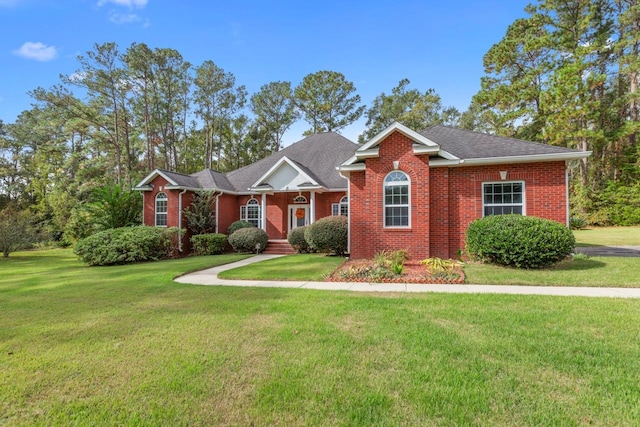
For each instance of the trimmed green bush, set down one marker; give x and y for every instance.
(126, 245)
(329, 234)
(297, 241)
(519, 241)
(238, 225)
(246, 239)
(209, 244)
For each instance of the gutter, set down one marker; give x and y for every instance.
(180, 220)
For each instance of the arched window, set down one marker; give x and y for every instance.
(341, 208)
(300, 199)
(161, 209)
(396, 199)
(252, 212)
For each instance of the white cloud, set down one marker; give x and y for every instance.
(131, 4)
(38, 51)
(123, 18)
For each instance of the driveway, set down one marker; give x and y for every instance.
(625, 251)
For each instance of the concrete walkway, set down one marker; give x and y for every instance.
(210, 277)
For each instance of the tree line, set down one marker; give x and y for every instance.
(566, 75)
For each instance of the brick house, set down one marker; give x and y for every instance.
(400, 190)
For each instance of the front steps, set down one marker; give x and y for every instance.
(279, 247)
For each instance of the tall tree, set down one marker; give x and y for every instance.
(410, 107)
(216, 99)
(275, 111)
(327, 101)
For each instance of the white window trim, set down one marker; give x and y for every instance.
(408, 205)
(524, 196)
(244, 209)
(336, 208)
(155, 209)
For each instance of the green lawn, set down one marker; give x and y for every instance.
(592, 272)
(293, 267)
(608, 236)
(127, 346)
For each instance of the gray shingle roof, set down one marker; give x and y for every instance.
(317, 155)
(466, 144)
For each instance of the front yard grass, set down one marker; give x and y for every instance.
(617, 272)
(608, 236)
(125, 345)
(312, 267)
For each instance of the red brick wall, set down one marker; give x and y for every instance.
(443, 200)
(545, 195)
(173, 209)
(368, 234)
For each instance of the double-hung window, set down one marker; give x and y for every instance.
(161, 209)
(396, 199)
(341, 208)
(252, 212)
(499, 198)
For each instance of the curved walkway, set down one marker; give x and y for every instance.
(210, 277)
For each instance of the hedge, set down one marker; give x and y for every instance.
(297, 241)
(238, 225)
(519, 241)
(209, 244)
(329, 234)
(246, 239)
(126, 245)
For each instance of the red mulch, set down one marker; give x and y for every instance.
(413, 272)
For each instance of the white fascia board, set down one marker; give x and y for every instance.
(275, 167)
(143, 188)
(365, 154)
(354, 167)
(395, 126)
(180, 187)
(351, 160)
(156, 172)
(441, 163)
(425, 149)
(527, 159)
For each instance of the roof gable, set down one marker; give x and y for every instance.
(285, 175)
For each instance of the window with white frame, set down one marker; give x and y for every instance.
(499, 198)
(340, 208)
(252, 212)
(300, 199)
(396, 199)
(161, 209)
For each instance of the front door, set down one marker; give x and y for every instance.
(298, 216)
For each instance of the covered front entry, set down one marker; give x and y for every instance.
(298, 216)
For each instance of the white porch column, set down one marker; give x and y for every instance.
(263, 211)
(312, 208)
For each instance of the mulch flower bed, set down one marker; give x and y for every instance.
(413, 272)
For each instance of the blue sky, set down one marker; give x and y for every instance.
(435, 44)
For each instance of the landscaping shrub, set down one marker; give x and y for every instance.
(329, 234)
(127, 245)
(519, 241)
(245, 239)
(238, 225)
(297, 241)
(209, 244)
(577, 223)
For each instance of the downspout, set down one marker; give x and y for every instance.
(217, 205)
(566, 188)
(347, 176)
(180, 220)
